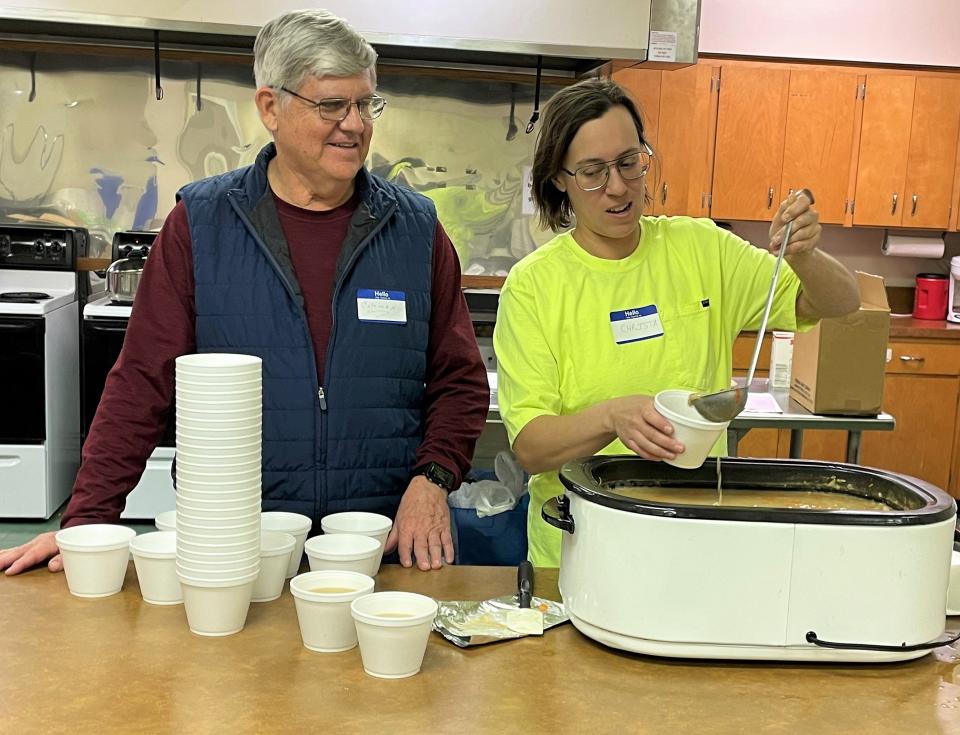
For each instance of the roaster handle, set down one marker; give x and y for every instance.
(556, 512)
(816, 640)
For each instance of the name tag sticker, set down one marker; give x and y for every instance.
(378, 306)
(635, 325)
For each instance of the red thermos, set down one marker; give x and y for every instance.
(930, 298)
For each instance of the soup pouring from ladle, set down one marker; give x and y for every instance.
(725, 405)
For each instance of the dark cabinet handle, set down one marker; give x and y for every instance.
(913, 212)
(770, 197)
(663, 194)
(893, 209)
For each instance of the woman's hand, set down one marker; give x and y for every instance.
(641, 428)
(806, 225)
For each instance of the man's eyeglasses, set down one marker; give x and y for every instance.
(595, 176)
(336, 109)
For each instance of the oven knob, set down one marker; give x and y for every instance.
(56, 249)
(5, 246)
(38, 247)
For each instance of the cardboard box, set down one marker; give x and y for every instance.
(838, 366)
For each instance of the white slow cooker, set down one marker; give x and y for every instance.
(720, 582)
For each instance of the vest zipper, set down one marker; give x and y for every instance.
(333, 321)
(318, 492)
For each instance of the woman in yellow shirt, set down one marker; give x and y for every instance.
(594, 323)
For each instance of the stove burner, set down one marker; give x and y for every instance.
(23, 297)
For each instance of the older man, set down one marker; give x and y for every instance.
(274, 260)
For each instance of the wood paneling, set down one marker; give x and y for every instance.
(818, 143)
(924, 358)
(750, 136)
(884, 145)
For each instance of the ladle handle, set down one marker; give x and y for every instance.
(766, 309)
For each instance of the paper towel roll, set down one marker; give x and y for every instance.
(903, 246)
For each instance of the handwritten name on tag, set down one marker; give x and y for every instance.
(379, 306)
(635, 325)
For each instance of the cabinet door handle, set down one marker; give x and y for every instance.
(893, 209)
(911, 358)
(663, 193)
(790, 193)
(913, 212)
(769, 197)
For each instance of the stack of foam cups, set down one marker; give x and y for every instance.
(219, 418)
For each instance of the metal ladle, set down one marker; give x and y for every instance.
(725, 405)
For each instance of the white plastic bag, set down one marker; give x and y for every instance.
(490, 497)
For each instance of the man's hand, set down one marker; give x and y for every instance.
(36, 551)
(422, 526)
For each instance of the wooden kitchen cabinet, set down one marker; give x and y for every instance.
(933, 149)
(751, 122)
(679, 108)
(644, 86)
(908, 149)
(685, 153)
(819, 137)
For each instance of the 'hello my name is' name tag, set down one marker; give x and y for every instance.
(381, 307)
(634, 325)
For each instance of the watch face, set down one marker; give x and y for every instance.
(439, 475)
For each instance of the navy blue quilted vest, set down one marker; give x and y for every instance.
(351, 443)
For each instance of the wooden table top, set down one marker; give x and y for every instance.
(119, 665)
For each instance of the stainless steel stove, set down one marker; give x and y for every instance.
(39, 361)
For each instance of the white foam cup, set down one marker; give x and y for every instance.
(95, 558)
(690, 428)
(216, 609)
(275, 550)
(219, 362)
(296, 525)
(225, 447)
(373, 525)
(239, 506)
(193, 431)
(344, 551)
(166, 521)
(323, 602)
(393, 628)
(154, 556)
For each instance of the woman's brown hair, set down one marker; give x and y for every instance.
(562, 118)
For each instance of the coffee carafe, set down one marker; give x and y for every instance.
(953, 293)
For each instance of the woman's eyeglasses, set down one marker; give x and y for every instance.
(595, 176)
(336, 109)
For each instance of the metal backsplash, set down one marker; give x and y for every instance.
(83, 140)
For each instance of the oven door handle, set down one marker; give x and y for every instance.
(104, 328)
(16, 327)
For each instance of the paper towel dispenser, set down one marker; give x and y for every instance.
(571, 37)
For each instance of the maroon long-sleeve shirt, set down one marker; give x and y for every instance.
(139, 389)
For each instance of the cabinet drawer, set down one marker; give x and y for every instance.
(923, 358)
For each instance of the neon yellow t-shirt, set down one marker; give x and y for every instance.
(555, 345)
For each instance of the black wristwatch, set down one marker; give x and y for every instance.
(438, 475)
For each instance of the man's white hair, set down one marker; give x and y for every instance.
(309, 43)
